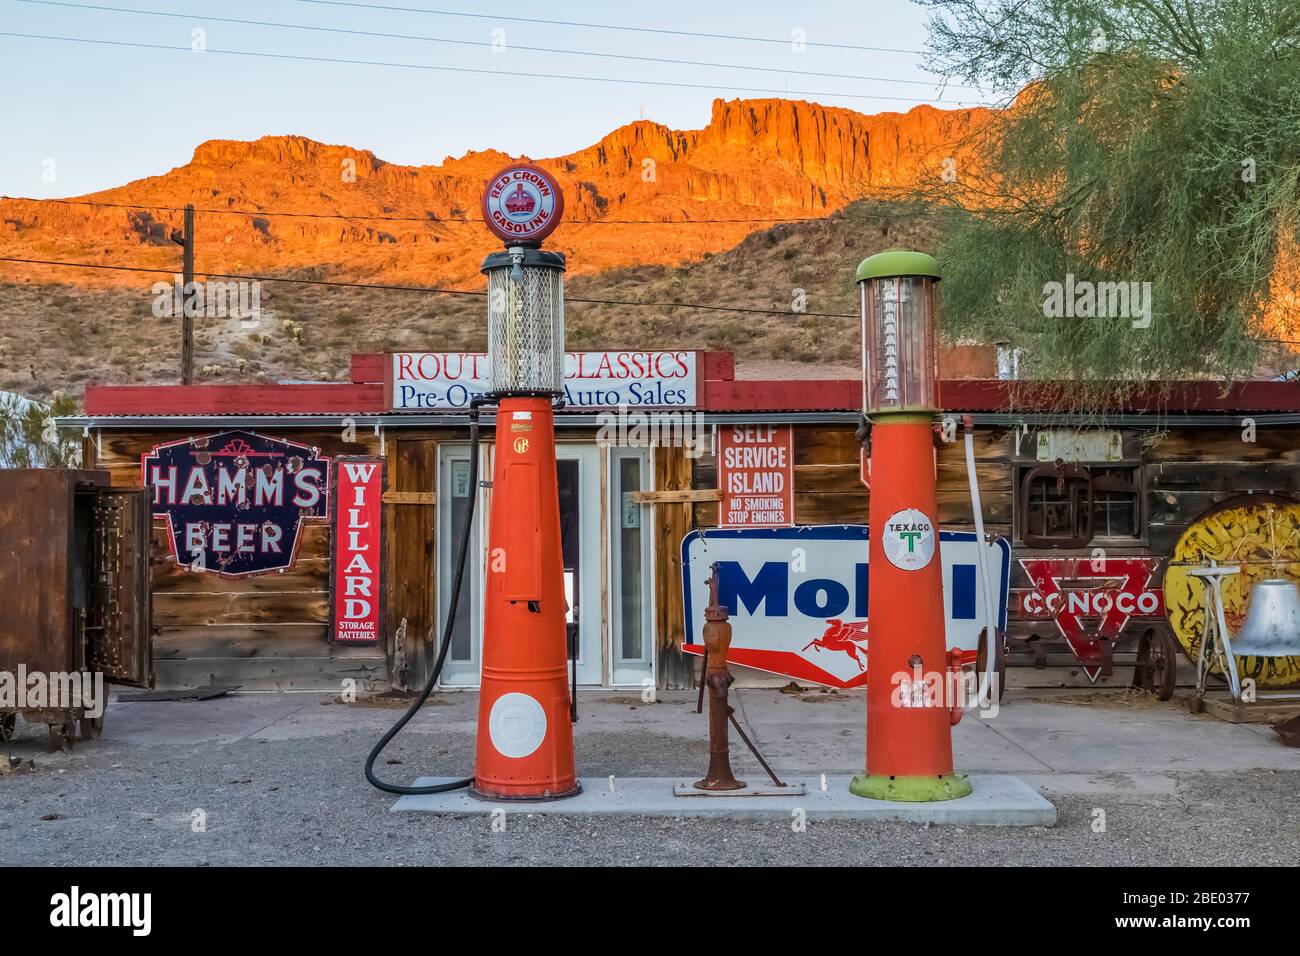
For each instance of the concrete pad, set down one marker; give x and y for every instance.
(219, 720)
(1163, 784)
(1096, 738)
(998, 801)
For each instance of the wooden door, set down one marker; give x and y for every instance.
(42, 567)
(119, 633)
(412, 513)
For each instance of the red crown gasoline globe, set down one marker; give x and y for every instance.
(522, 205)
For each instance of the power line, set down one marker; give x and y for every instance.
(427, 290)
(481, 44)
(482, 72)
(254, 213)
(608, 26)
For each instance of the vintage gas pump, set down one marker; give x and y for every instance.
(909, 718)
(525, 735)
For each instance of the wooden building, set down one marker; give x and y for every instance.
(1092, 515)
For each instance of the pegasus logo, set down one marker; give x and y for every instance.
(850, 638)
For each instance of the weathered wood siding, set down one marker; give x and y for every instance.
(266, 632)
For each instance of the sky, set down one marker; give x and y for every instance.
(80, 117)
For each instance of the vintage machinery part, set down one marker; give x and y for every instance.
(992, 667)
(999, 666)
(1216, 623)
(8, 727)
(1156, 670)
(462, 552)
(62, 736)
(1261, 534)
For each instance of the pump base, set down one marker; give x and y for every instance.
(880, 786)
(478, 794)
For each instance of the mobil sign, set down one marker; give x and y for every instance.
(797, 597)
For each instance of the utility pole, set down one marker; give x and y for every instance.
(186, 241)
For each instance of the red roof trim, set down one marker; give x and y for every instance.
(719, 395)
(784, 396)
(233, 399)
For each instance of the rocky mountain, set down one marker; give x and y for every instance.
(652, 214)
(380, 221)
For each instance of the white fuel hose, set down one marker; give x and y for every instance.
(982, 698)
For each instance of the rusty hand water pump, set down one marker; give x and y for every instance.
(717, 681)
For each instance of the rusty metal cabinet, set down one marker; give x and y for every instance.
(74, 585)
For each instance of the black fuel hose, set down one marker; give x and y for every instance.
(462, 552)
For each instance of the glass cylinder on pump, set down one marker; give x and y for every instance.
(899, 368)
(525, 321)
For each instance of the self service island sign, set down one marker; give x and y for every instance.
(797, 597)
(425, 381)
(235, 502)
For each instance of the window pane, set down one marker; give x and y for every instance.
(568, 484)
(462, 648)
(631, 640)
(1050, 513)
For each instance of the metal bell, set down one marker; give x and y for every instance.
(1272, 627)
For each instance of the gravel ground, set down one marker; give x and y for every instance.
(304, 801)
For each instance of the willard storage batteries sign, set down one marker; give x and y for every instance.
(235, 502)
(422, 381)
(798, 596)
(357, 559)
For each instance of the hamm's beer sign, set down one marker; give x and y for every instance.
(798, 596)
(235, 502)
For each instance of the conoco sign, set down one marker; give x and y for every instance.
(522, 205)
(235, 502)
(1091, 600)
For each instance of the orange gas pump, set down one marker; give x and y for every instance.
(525, 733)
(909, 725)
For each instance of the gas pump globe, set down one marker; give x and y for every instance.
(525, 321)
(909, 713)
(899, 372)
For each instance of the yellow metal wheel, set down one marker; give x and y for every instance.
(1262, 533)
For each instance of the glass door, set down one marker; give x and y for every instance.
(461, 668)
(578, 475)
(632, 630)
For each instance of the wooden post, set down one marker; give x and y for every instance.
(187, 322)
